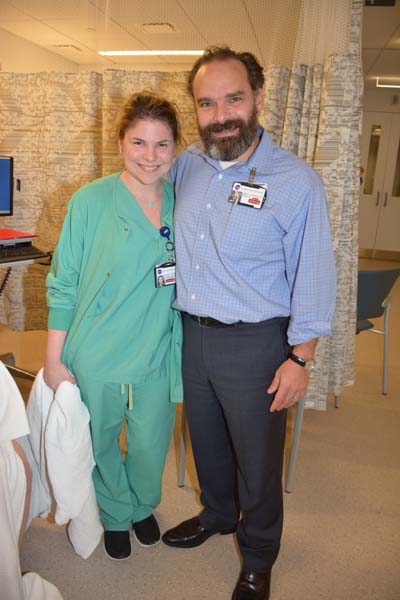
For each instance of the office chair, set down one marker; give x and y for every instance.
(293, 451)
(8, 360)
(373, 301)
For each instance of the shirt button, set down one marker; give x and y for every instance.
(209, 205)
(125, 229)
(193, 297)
(197, 267)
(220, 176)
(202, 236)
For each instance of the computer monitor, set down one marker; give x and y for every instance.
(6, 185)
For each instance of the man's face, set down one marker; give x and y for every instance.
(227, 109)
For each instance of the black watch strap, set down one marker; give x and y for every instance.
(297, 359)
(308, 365)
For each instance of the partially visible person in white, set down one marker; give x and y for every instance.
(15, 492)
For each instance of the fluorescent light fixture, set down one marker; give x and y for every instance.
(386, 85)
(150, 52)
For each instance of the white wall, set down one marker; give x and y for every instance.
(20, 56)
(382, 100)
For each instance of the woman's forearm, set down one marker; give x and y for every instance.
(55, 372)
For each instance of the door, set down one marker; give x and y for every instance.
(388, 230)
(379, 208)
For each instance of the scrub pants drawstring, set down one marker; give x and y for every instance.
(130, 394)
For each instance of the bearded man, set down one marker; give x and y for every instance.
(256, 286)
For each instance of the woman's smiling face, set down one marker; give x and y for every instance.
(148, 149)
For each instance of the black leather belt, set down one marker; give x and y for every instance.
(210, 322)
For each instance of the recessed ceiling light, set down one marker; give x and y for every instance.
(387, 85)
(150, 52)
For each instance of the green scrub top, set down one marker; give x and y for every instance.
(130, 335)
(122, 334)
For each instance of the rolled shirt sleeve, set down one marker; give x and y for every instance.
(310, 269)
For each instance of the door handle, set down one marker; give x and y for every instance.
(386, 196)
(377, 198)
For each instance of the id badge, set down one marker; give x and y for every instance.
(164, 274)
(248, 194)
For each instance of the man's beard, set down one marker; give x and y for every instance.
(233, 146)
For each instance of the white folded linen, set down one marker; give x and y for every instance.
(62, 441)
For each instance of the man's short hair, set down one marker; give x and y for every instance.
(255, 72)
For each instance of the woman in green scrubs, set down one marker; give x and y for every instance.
(111, 326)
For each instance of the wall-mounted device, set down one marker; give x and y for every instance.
(6, 185)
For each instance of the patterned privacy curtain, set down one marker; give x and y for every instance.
(59, 128)
(314, 110)
(51, 124)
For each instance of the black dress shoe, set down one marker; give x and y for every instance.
(190, 534)
(252, 586)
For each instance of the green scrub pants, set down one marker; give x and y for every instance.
(128, 491)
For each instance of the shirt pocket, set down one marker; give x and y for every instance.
(251, 233)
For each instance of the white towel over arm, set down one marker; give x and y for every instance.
(61, 442)
(70, 464)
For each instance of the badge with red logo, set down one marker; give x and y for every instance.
(164, 274)
(248, 194)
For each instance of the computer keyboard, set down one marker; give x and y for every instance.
(22, 251)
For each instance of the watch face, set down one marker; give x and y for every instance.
(310, 365)
(307, 365)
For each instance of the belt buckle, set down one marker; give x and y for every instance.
(201, 321)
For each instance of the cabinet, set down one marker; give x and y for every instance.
(379, 209)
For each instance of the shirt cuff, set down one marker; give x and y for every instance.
(60, 318)
(300, 334)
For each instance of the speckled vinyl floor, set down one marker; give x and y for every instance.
(342, 522)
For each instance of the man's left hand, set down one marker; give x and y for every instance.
(290, 384)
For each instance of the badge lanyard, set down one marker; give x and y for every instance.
(252, 176)
(164, 273)
(165, 232)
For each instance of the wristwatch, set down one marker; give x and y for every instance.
(308, 365)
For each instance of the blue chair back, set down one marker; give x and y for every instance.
(373, 288)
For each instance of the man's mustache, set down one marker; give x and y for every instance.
(225, 126)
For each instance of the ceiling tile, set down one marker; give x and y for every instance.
(368, 58)
(379, 24)
(386, 64)
(56, 9)
(95, 36)
(35, 31)
(116, 25)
